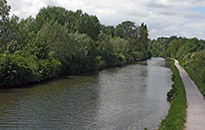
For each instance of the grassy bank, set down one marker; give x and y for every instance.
(177, 113)
(194, 76)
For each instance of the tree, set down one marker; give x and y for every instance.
(62, 41)
(189, 46)
(127, 30)
(39, 48)
(74, 21)
(50, 14)
(120, 49)
(174, 46)
(89, 25)
(55, 35)
(4, 22)
(144, 34)
(13, 29)
(82, 57)
(13, 47)
(109, 30)
(26, 31)
(138, 50)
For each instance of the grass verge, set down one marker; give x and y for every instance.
(177, 113)
(195, 78)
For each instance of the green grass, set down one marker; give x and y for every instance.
(177, 113)
(194, 76)
(194, 64)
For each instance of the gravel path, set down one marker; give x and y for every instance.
(195, 101)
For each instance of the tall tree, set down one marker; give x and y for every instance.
(4, 21)
(127, 30)
(56, 36)
(144, 34)
(48, 14)
(89, 25)
(109, 30)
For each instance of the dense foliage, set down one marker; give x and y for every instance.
(58, 41)
(189, 52)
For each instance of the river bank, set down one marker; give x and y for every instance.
(46, 80)
(195, 101)
(177, 113)
(194, 76)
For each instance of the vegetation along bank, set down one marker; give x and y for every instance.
(189, 52)
(58, 41)
(191, 55)
(177, 113)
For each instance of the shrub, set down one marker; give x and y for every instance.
(16, 70)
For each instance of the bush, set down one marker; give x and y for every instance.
(49, 68)
(17, 70)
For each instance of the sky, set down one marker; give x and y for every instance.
(165, 18)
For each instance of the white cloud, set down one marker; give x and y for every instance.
(163, 17)
(196, 25)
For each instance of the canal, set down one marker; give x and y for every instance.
(126, 98)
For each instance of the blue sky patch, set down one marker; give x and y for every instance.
(150, 10)
(200, 9)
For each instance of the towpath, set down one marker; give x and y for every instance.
(195, 101)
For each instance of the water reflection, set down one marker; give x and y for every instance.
(132, 97)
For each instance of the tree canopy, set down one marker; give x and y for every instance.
(59, 41)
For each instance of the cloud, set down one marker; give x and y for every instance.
(197, 25)
(163, 17)
(25, 8)
(155, 4)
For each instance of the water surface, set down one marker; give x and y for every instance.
(127, 98)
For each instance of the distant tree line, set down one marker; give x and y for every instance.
(190, 53)
(58, 41)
